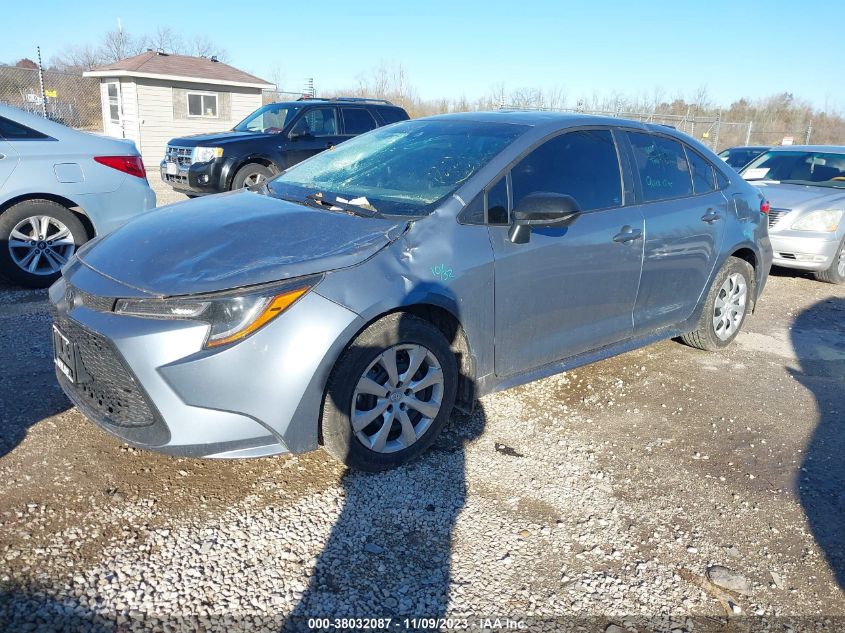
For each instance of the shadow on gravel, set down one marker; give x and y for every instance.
(818, 338)
(389, 552)
(29, 391)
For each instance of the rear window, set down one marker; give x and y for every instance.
(661, 165)
(14, 131)
(392, 115)
(703, 178)
(357, 120)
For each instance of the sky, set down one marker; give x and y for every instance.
(457, 49)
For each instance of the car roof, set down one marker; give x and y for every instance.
(344, 102)
(830, 149)
(545, 119)
(754, 147)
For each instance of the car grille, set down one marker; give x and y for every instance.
(76, 298)
(179, 155)
(775, 215)
(182, 157)
(109, 392)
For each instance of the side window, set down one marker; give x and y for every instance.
(721, 180)
(497, 202)
(357, 120)
(582, 164)
(317, 122)
(11, 131)
(392, 115)
(473, 213)
(661, 165)
(703, 178)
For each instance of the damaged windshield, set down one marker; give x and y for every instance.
(271, 118)
(401, 169)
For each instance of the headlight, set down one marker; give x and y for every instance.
(824, 221)
(205, 154)
(231, 317)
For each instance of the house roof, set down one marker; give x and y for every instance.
(155, 65)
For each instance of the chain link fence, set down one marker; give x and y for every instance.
(714, 132)
(75, 101)
(69, 99)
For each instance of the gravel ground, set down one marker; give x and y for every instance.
(596, 498)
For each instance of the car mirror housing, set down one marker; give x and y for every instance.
(541, 208)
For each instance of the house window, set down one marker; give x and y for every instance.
(202, 104)
(113, 92)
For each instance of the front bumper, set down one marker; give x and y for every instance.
(804, 251)
(199, 179)
(150, 383)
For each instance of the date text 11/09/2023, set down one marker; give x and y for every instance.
(414, 624)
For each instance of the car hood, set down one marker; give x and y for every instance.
(801, 197)
(232, 240)
(218, 138)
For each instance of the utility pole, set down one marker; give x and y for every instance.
(809, 131)
(748, 133)
(41, 84)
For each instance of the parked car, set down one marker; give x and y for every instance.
(353, 300)
(60, 187)
(805, 185)
(268, 141)
(739, 157)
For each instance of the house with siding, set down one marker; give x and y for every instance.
(154, 97)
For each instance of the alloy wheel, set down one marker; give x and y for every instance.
(41, 245)
(840, 268)
(397, 398)
(254, 179)
(730, 306)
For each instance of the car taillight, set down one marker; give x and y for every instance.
(765, 206)
(131, 165)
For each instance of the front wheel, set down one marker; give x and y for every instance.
(836, 273)
(37, 238)
(390, 394)
(725, 308)
(250, 175)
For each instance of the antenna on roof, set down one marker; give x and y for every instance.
(214, 58)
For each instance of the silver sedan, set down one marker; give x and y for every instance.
(805, 186)
(60, 187)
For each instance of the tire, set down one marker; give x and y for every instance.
(251, 174)
(734, 282)
(17, 257)
(399, 336)
(836, 273)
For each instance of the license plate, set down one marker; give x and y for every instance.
(171, 169)
(64, 354)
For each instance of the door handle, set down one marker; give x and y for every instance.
(627, 234)
(710, 217)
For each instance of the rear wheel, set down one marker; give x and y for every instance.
(250, 175)
(725, 308)
(836, 273)
(37, 238)
(390, 394)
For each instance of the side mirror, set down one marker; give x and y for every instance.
(541, 208)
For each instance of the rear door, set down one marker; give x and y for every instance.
(8, 154)
(316, 130)
(684, 226)
(356, 120)
(568, 289)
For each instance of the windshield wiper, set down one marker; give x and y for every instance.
(368, 211)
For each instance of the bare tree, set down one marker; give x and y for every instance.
(119, 44)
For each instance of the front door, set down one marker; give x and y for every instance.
(569, 289)
(684, 226)
(317, 130)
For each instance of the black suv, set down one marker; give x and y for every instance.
(268, 141)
